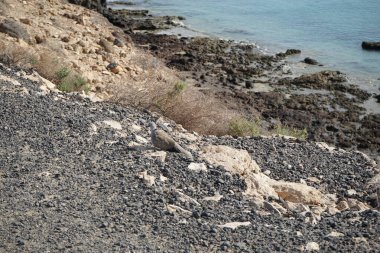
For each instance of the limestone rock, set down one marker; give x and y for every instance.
(298, 193)
(240, 162)
(234, 160)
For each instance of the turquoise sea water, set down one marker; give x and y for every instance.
(330, 31)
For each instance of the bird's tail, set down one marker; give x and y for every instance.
(180, 149)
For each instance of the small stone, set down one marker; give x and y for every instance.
(312, 246)
(342, 205)
(26, 21)
(66, 39)
(174, 209)
(113, 124)
(249, 84)
(141, 139)
(118, 42)
(234, 225)
(40, 39)
(335, 234)
(149, 180)
(215, 198)
(114, 68)
(351, 192)
(197, 167)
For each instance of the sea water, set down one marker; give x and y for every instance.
(330, 31)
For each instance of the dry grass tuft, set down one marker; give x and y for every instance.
(17, 56)
(158, 89)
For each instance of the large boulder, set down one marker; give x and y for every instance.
(15, 29)
(371, 45)
(258, 184)
(240, 162)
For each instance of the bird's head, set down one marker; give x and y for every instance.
(152, 126)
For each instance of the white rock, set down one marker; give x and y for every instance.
(93, 129)
(312, 246)
(135, 128)
(324, 145)
(335, 234)
(141, 139)
(162, 178)
(197, 167)
(234, 225)
(113, 124)
(234, 160)
(187, 199)
(174, 209)
(149, 180)
(351, 192)
(215, 198)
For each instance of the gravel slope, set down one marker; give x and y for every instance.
(68, 183)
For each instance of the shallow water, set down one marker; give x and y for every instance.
(330, 31)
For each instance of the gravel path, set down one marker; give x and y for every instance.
(68, 183)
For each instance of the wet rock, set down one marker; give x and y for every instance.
(371, 45)
(292, 51)
(310, 61)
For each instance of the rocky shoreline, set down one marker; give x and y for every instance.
(258, 85)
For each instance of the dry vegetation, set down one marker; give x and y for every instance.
(46, 64)
(163, 92)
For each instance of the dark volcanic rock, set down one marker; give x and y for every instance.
(371, 45)
(288, 53)
(310, 61)
(99, 5)
(15, 29)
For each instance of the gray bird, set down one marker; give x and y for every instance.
(164, 141)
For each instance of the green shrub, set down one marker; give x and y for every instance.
(63, 73)
(73, 82)
(244, 127)
(178, 89)
(289, 131)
